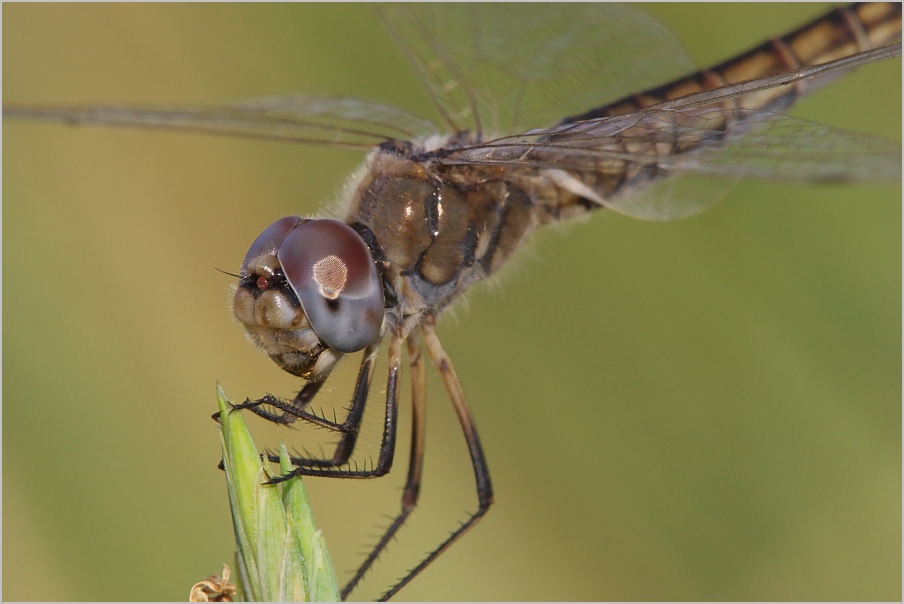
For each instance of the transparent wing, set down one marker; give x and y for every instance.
(618, 169)
(513, 61)
(492, 67)
(783, 148)
(340, 122)
(619, 158)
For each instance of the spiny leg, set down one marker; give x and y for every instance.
(297, 407)
(415, 463)
(330, 467)
(478, 460)
(291, 411)
(348, 429)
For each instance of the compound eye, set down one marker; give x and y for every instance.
(330, 269)
(270, 240)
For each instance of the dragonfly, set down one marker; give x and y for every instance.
(535, 127)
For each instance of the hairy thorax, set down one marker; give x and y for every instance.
(437, 228)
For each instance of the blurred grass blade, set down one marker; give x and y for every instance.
(280, 554)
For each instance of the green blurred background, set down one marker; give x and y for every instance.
(701, 410)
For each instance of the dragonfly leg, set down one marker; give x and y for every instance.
(415, 463)
(478, 460)
(290, 410)
(345, 447)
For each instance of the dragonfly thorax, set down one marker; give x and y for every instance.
(437, 228)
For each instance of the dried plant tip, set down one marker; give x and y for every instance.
(214, 588)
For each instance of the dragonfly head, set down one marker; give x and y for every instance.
(308, 292)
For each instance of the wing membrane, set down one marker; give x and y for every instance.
(339, 122)
(491, 67)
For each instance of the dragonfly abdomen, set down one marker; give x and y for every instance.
(840, 33)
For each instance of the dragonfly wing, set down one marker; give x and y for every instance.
(633, 164)
(339, 122)
(703, 143)
(492, 67)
